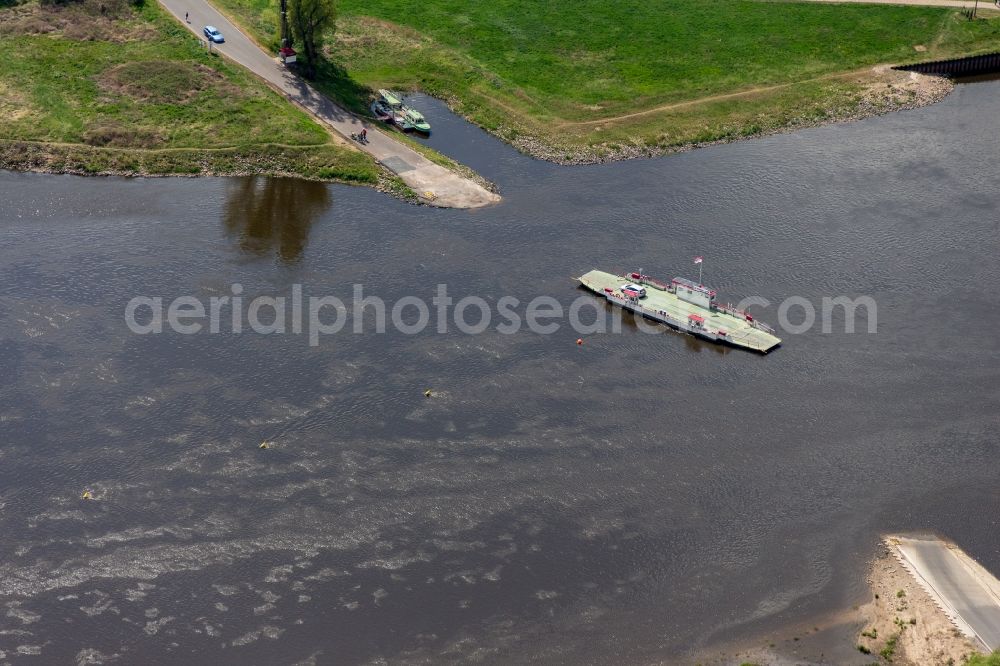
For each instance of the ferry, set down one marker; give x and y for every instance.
(685, 306)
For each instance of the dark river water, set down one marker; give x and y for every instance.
(633, 499)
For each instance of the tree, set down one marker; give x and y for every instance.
(310, 19)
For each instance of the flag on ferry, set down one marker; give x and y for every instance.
(697, 260)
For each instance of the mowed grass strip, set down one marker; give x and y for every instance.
(132, 79)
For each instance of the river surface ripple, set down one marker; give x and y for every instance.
(626, 500)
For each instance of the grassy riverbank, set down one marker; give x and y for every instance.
(600, 78)
(102, 86)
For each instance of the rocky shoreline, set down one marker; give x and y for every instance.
(889, 91)
(58, 159)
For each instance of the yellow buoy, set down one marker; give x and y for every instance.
(86, 495)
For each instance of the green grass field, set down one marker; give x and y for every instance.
(130, 90)
(615, 54)
(541, 67)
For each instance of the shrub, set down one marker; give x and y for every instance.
(890, 647)
(116, 136)
(984, 659)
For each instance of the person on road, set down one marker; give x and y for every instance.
(364, 135)
(186, 18)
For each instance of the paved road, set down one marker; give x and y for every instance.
(965, 589)
(433, 183)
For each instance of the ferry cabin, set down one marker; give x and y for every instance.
(696, 294)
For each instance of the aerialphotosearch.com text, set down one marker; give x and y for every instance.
(319, 316)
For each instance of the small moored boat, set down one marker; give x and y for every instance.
(388, 107)
(416, 120)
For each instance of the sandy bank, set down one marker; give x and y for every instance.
(903, 615)
(899, 623)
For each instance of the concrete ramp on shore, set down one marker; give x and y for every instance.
(960, 586)
(433, 184)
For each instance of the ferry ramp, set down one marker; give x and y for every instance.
(965, 591)
(432, 183)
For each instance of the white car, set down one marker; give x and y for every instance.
(213, 34)
(634, 290)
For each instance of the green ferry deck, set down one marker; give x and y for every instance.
(661, 302)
